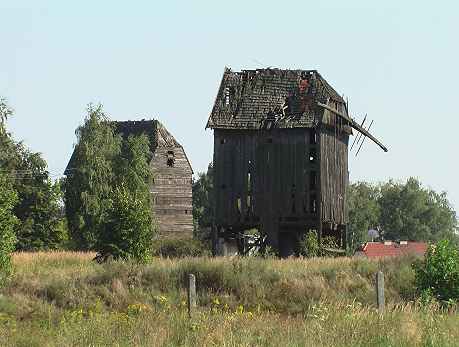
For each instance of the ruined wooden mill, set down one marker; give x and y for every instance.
(280, 158)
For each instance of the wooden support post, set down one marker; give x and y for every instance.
(191, 294)
(380, 291)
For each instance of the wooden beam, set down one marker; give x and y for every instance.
(355, 125)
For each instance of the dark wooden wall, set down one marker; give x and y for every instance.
(284, 178)
(172, 192)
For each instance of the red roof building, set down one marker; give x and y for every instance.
(392, 249)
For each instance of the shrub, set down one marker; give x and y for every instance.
(178, 248)
(309, 245)
(129, 231)
(438, 273)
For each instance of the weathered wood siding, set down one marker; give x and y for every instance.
(268, 179)
(334, 176)
(172, 192)
(334, 139)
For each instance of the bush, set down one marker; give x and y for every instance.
(311, 247)
(129, 231)
(438, 274)
(179, 248)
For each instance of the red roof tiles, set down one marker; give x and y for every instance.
(393, 249)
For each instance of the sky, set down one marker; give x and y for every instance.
(396, 61)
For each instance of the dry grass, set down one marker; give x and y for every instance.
(65, 299)
(20, 258)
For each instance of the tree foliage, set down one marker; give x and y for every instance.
(203, 202)
(402, 211)
(364, 210)
(413, 212)
(38, 209)
(107, 193)
(128, 231)
(437, 274)
(8, 221)
(90, 178)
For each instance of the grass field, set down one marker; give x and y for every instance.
(65, 299)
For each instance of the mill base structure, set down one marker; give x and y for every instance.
(280, 160)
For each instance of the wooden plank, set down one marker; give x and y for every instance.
(355, 125)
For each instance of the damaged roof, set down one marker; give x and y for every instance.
(249, 98)
(157, 133)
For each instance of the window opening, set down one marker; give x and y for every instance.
(170, 158)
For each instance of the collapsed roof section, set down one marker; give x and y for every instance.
(247, 99)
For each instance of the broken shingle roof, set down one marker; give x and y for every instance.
(248, 98)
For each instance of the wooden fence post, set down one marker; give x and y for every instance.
(191, 294)
(380, 291)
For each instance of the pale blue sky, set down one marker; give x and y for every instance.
(398, 61)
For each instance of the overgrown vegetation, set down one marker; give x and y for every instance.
(107, 194)
(8, 220)
(437, 275)
(310, 246)
(203, 202)
(61, 299)
(41, 225)
(91, 178)
(180, 248)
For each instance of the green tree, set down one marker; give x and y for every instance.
(438, 273)
(107, 191)
(129, 230)
(363, 210)
(8, 221)
(411, 212)
(203, 202)
(404, 211)
(39, 208)
(39, 200)
(90, 178)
